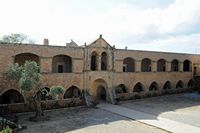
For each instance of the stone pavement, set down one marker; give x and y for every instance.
(163, 123)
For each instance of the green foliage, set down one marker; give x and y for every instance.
(55, 91)
(13, 72)
(119, 89)
(6, 130)
(27, 76)
(16, 38)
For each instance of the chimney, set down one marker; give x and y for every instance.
(46, 42)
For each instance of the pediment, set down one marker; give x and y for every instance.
(100, 42)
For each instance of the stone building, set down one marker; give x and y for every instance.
(100, 67)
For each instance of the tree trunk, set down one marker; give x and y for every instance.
(39, 115)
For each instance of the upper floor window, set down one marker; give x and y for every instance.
(61, 64)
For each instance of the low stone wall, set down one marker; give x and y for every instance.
(49, 104)
(136, 95)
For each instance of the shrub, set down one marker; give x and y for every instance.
(55, 91)
(6, 130)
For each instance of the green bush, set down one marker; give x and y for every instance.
(6, 130)
(118, 90)
(55, 91)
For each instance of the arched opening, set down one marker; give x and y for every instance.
(101, 91)
(167, 85)
(23, 57)
(190, 84)
(174, 66)
(94, 63)
(153, 87)
(61, 64)
(138, 87)
(121, 89)
(104, 61)
(146, 65)
(45, 93)
(72, 92)
(11, 96)
(180, 84)
(161, 65)
(128, 65)
(187, 66)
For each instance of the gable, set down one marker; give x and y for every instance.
(100, 42)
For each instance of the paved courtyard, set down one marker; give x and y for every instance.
(184, 108)
(85, 120)
(180, 108)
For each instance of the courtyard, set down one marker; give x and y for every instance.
(182, 108)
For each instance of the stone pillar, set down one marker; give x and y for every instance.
(137, 65)
(168, 66)
(153, 66)
(180, 66)
(45, 64)
(99, 63)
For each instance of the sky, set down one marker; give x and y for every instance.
(153, 25)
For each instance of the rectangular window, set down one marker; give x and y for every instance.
(124, 67)
(60, 69)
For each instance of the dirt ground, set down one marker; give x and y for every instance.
(84, 120)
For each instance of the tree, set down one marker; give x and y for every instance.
(16, 38)
(27, 77)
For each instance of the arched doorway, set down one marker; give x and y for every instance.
(174, 66)
(138, 87)
(23, 57)
(11, 96)
(146, 65)
(99, 90)
(93, 64)
(72, 92)
(62, 64)
(128, 65)
(161, 65)
(101, 93)
(104, 61)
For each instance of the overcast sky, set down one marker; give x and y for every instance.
(158, 25)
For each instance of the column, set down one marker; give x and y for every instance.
(45, 64)
(137, 65)
(99, 63)
(153, 66)
(180, 66)
(168, 66)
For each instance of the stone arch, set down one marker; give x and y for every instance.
(104, 61)
(153, 86)
(62, 64)
(190, 83)
(23, 57)
(128, 65)
(72, 92)
(167, 85)
(94, 61)
(139, 87)
(161, 65)
(180, 84)
(122, 88)
(187, 66)
(174, 65)
(146, 65)
(11, 96)
(99, 88)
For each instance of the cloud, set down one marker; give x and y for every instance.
(152, 25)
